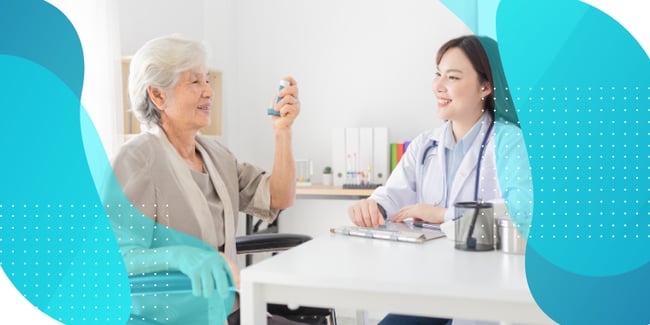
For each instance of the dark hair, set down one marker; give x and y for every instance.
(483, 53)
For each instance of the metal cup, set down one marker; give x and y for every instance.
(509, 238)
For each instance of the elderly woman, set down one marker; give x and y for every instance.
(190, 183)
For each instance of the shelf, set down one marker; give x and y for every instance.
(333, 192)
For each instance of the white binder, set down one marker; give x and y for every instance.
(381, 156)
(360, 149)
(366, 156)
(351, 154)
(338, 156)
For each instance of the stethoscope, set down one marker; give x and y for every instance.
(434, 144)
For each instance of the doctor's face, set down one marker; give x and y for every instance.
(457, 88)
(188, 107)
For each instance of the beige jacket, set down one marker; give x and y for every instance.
(160, 185)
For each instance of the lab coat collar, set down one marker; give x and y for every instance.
(468, 165)
(438, 133)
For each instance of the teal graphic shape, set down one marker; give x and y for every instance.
(58, 192)
(39, 32)
(581, 86)
(584, 106)
(58, 248)
(580, 83)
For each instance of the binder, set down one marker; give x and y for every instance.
(393, 156)
(351, 154)
(357, 150)
(380, 164)
(400, 151)
(338, 156)
(366, 153)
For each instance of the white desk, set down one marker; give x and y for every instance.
(430, 279)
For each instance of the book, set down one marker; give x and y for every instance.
(393, 156)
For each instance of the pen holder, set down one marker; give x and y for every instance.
(474, 226)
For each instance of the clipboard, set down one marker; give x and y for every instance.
(395, 231)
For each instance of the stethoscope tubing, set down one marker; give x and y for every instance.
(434, 144)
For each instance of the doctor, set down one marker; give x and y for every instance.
(456, 161)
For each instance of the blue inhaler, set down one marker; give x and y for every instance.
(271, 111)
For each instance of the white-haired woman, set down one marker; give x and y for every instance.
(190, 183)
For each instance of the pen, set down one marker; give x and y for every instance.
(422, 224)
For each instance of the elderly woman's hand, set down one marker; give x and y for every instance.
(289, 106)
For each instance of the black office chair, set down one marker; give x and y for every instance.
(163, 283)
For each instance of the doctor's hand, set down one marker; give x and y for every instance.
(425, 212)
(365, 213)
(208, 270)
(288, 106)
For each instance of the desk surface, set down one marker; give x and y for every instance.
(431, 279)
(320, 190)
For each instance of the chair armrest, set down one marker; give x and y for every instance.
(259, 243)
(177, 282)
(160, 283)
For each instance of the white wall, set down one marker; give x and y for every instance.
(95, 23)
(143, 20)
(358, 63)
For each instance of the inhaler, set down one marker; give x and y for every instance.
(271, 111)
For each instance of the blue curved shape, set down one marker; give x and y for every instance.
(571, 298)
(39, 32)
(581, 85)
(57, 245)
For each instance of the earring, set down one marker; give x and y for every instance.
(482, 98)
(482, 88)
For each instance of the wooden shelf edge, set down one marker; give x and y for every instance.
(323, 190)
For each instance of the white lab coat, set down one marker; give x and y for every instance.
(413, 182)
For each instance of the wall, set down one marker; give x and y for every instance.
(95, 23)
(358, 63)
(209, 21)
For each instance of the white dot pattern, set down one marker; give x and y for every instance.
(64, 259)
(589, 150)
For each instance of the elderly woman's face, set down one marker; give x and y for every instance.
(189, 105)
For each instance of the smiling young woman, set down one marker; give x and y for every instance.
(454, 162)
